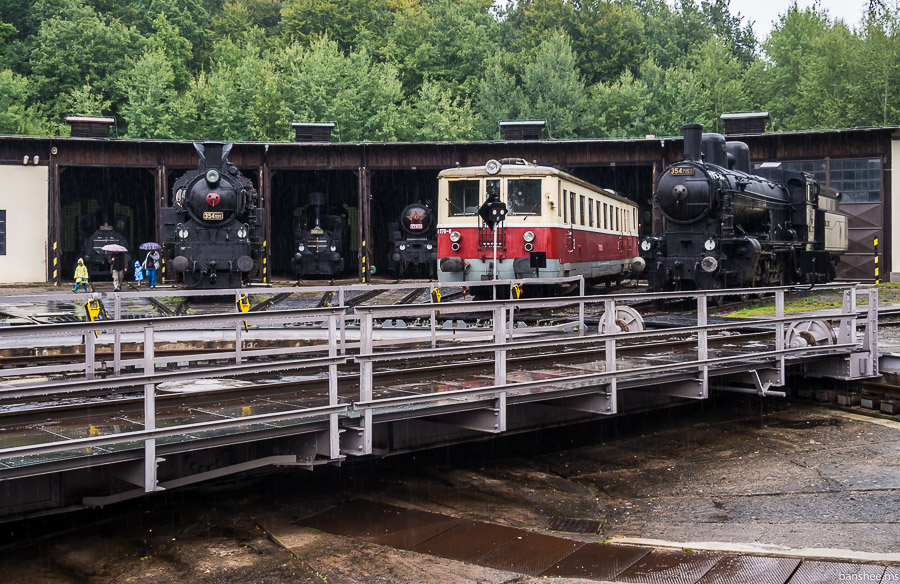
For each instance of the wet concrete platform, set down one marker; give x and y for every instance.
(539, 555)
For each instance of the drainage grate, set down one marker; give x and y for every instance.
(575, 525)
(669, 567)
(751, 570)
(597, 561)
(530, 553)
(468, 541)
(830, 572)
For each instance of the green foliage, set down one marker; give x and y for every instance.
(437, 69)
(16, 117)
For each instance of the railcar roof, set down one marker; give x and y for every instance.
(529, 170)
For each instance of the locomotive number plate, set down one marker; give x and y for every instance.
(213, 215)
(315, 231)
(682, 171)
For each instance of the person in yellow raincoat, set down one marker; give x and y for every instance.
(81, 276)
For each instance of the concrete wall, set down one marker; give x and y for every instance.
(23, 195)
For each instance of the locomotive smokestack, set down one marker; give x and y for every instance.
(692, 136)
(212, 154)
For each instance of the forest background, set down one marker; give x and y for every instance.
(436, 70)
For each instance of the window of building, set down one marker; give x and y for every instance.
(2, 232)
(817, 168)
(463, 197)
(859, 180)
(524, 196)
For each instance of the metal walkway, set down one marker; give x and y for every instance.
(541, 555)
(106, 427)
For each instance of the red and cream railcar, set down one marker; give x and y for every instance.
(583, 229)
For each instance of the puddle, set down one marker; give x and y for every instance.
(201, 385)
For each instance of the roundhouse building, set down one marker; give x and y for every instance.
(54, 192)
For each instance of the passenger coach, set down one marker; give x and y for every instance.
(556, 225)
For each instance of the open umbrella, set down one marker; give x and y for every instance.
(113, 247)
(150, 246)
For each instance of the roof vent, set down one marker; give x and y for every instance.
(89, 127)
(523, 130)
(312, 131)
(745, 123)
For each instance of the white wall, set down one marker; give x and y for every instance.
(893, 238)
(23, 195)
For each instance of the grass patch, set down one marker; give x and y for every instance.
(888, 293)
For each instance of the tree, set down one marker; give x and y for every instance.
(553, 89)
(16, 116)
(303, 21)
(499, 97)
(719, 76)
(619, 109)
(877, 67)
(150, 87)
(322, 83)
(437, 115)
(788, 48)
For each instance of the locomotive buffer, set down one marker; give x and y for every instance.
(492, 212)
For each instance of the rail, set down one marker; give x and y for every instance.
(346, 426)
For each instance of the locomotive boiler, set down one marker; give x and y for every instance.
(413, 242)
(212, 234)
(728, 228)
(321, 240)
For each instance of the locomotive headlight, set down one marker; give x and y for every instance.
(709, 244)
(428, 246)
(183, 232)
(333, 248)
(243, 231)
(528, 236)
(212, 176)
(646, 245)
(402, 247)
(454, 236)
(709, 264)
(301, 247)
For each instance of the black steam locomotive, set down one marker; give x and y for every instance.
(95, 257)
(728, 228)
(321, 239)
(213, 232)
(414, 245)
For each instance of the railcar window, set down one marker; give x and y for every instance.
(2, 232)
(590, 212)
(524, 196)
(581, 208)
(564, 203)
(463, 197)
(605, 223)
(617, 218)
(571, 207)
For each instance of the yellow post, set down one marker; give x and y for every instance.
(877, 274)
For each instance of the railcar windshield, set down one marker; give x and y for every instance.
(524, 196)
(463, 197)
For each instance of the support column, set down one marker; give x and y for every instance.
(54, 253)
(365, 224)
(265, 201)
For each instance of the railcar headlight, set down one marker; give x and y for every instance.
(646, 245)
(709, 244)
(333, 248)
(528, 247)
(212, 176)
(301, 247)
(454, 246)
(428, 246)
(528, 236)
(243, 231)
(455, 236)
(492, 166)
(402, 247)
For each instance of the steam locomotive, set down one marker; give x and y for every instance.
(728, 228)
(321, 239)
(212, 234)
(95, 257)
(413, 242)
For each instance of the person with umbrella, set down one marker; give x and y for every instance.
(152, 261)
(117, 264)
